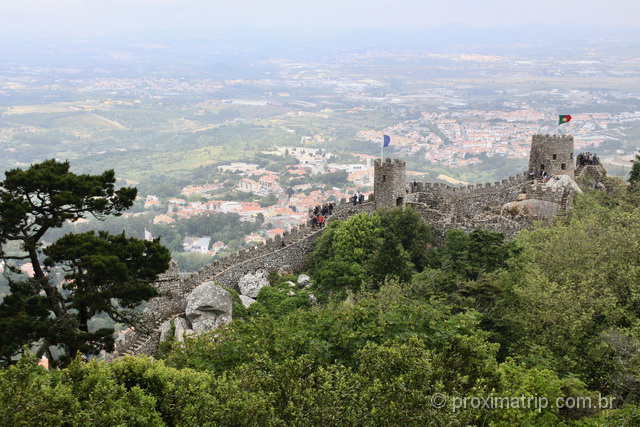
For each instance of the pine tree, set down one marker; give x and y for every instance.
(104, 274)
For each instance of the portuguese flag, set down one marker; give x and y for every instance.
(563, 119)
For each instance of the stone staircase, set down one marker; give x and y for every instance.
(564, 204)
(137, 347)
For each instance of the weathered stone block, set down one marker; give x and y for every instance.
(208, 307)
(246, 301)
(304, 281)
(250, 284)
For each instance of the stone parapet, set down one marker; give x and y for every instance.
(268, 256)
(444, 206)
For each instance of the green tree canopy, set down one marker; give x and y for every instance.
(479, 252)
(104, 274)
(371, 247)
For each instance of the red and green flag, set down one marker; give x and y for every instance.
(563, 119)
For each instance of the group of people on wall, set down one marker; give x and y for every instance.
(412, 188)
(357, 198)
(584, 159)
(320, 214)
(543, 175)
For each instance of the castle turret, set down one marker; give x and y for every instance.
(389, 183)
(553, 154)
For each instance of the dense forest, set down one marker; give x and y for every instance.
(410, 328)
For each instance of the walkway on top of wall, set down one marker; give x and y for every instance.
(141, 340)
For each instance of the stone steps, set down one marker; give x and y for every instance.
(143, 339)
(563, 208)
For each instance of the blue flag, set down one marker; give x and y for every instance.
(387, 141)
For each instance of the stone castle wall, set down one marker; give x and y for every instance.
(269, 256)
(555, 152)
(389, 183)
(460, 203)
(542, 192)
(445, 207)
(509, 226)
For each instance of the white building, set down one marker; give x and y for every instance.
(196, 244)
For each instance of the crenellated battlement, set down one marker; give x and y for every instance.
(388, 162)
(442, 205)
(270, 255)
(517, 179)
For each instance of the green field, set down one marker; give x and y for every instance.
(174, 135)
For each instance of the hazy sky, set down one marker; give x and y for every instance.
(114, 15)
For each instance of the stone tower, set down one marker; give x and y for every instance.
(390, 184)
(553, 153)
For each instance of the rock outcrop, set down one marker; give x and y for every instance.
(304, 281)
(209, 306)
(246, 301)
(250, 284)
(165, 330)
(182, 329)
(285, 269)
(312, 299)
(563, 182)
(531, 208)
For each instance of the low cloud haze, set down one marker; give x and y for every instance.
(72, 16)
